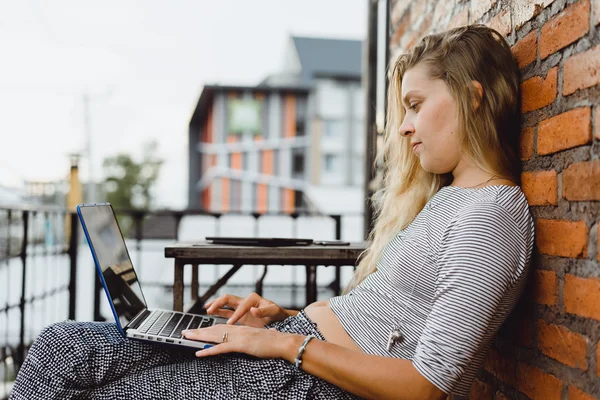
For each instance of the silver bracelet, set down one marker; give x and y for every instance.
(298, 360)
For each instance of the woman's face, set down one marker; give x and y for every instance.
(431, 120)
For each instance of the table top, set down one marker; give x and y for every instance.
(209, 253)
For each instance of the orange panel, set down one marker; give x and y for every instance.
(267, 162)
(236, 158)
(290, 131)
(288, 200)
(205, 200)
(262, 194)
(290, 116)
(209, 125)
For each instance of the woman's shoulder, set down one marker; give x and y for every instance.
(500, 206)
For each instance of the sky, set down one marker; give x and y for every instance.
(142, 66)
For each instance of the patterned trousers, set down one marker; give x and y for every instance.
(91, 360)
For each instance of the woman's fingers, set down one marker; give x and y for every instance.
(252, 300)
(268, 310)
(227, 300)
(222, 312)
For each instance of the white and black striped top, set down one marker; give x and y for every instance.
(449, 279)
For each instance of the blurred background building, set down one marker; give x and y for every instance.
(294, 141)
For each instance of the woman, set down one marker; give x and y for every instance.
(451, 248)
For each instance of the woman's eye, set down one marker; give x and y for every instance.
(414, 106)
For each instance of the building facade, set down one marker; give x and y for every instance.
(275, 146)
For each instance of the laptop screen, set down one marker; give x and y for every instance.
(113, 259)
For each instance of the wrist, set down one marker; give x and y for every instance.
(291, 313)
(291, 346)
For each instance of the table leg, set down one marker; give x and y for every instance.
(195, 282)
(178, 286)
(258, 287)
(311, 284)
(338, 279)
(198, 306)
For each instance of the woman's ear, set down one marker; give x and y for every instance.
(478, 94)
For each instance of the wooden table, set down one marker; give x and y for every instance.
(208, 253)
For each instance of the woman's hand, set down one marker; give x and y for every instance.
(258, 342)
(251, 311)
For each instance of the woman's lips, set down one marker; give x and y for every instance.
(415, 146)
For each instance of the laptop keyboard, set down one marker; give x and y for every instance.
(170, 324)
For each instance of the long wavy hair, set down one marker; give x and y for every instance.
(489, 133)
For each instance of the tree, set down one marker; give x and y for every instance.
(128, 183)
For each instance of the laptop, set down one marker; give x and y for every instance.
(124, 292)
(254, 241)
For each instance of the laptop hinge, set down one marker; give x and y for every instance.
(138, 315)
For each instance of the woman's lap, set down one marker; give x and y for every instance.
(92, 360)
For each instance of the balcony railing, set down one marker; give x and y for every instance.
(42, 253)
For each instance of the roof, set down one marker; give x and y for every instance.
(340, 58)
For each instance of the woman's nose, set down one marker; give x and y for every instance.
(406, 129)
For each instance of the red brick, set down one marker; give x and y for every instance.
(540, 188)
(563, 345)
(564, 131)
(596, 16)
(501, 22)
(581, 71)
(562, 238)
(525, 50)
(501, 396)
(539, 92)
(581, 181)
(582, 296)
(598, 249)
(598, 359)
(545, 287)
(597, 119)
(524, 10)
(460, 19)
(565, 28)
(501, 366)
(480, 391)
(526, 143)
(577, 394)
(401, 29)
(537, 384)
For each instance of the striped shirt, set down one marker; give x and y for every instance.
(448, 281)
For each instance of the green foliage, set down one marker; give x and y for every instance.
(127, 182)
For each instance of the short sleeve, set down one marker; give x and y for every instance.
(477, 262)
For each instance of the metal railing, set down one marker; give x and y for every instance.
(39, 264)
(138, 233)
(38, 272)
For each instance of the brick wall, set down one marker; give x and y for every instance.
(548, 349)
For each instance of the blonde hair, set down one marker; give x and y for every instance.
(489, 132)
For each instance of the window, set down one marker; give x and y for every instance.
(331, 163)
(332, 99)
(298, 163)
(333, 128)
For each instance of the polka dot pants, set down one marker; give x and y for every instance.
(91, 360)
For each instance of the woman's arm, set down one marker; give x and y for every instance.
(368, 376)
(365, 375)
